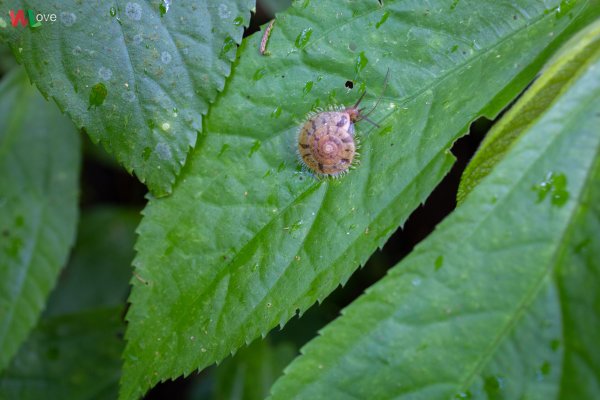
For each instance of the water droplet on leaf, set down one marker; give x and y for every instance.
(97, 95)
(303, 38)
(361, 62)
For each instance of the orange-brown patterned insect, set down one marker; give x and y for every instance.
(326, 142)
(265, 38)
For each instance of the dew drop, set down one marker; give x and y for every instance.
(238, 21)
(384, 18)
(385, 131)
(564, 7)
(129, 96)
(146, 153)
(67, 18)
(439, 262)
(463, 395)
(361, 62)
(259, 73)
(555, 185)
(545, 368)
(308, 87)
(97, 95)
(254, 148)
(276, 112)
(133, 11)
(163, 151)
(104, 73)
(113, 12)
(493, 385)
(165, 57)
(223, 149)
(224, 12)
(416, 282)
(294, 227)
(303, 38)
(228, 44)
(164, 7)
(137, 39)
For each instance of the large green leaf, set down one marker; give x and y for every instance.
(247, 238)
(75, 350)
(137, 77)
(74, 356)
(533, 374)
(569, 64)
(430, 327)
(39, 170)
(579, 288)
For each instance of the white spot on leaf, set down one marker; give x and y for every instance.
(67, 18)
(165, 57)
(224, 12)
(163, 151)
(137, 39)
(105, 73)
(133, 11)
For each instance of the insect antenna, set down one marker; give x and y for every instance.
(375, 124)
(385, 82)
(359, 100)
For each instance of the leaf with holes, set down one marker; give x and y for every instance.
(475, 310)
(137, 75)
(39, 166)
(248, 238)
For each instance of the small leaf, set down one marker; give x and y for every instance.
(424, 332)
(39, 170)
(136, 76)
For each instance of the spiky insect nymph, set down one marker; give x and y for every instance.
(327, 145)
(326, 142)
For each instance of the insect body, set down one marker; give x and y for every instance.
(326, 142)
